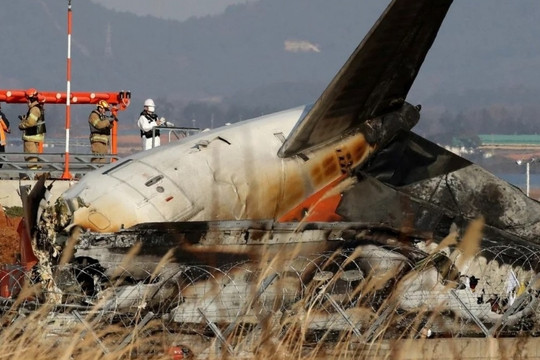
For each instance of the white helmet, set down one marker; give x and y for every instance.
(150, 104)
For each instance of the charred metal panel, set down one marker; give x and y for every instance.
(409, 158)
(415, 184)
(374, 202)
(30, 201)
(223, 242)
(472, 192)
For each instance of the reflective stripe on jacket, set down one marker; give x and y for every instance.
(100, 127)
(99, 138)
(33, 124)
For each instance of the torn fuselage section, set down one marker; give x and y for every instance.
(181, 269)
(415, 183)
(200, 255)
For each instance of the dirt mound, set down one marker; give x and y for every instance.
(9, 238)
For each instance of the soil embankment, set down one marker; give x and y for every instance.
(9, 238)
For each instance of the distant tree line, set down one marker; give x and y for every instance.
(440, 126)
(445, 126)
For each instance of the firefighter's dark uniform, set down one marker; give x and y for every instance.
(100, 131)
(33, 126)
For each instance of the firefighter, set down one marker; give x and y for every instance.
(33, 126)
(100, 131)
(148, 119)
(4, 128)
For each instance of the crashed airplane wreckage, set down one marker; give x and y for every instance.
(339, 202)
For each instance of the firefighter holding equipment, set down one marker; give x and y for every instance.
(33, 126)
(148, 120)
(100, 131)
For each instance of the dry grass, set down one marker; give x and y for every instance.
(367, 321)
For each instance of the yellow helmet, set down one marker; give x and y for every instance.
(103, 104)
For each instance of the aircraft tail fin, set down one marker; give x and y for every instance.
(377, 76)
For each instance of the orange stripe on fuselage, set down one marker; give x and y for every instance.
(317, 207)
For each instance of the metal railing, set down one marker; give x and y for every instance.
(14, 166)
(174, 132)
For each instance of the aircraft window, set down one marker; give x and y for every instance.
(153, 180)
(114, 168)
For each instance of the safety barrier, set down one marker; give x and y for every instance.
(14, 165)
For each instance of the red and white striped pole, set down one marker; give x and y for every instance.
(66, 174)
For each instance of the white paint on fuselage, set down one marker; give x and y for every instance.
(228, 173)
(197, 176)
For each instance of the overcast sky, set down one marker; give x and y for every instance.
(171, 9)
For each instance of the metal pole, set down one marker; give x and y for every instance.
(89, 328)
(128, 338)
(342, 312)
(66, 174)
(528, 177)
(472, 316)
(216, 331)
